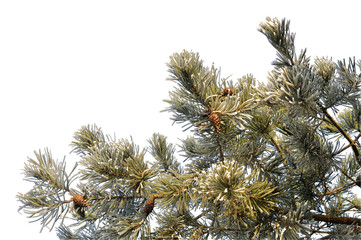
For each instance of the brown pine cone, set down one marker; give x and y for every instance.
(79, 204)
(148, 208)
(227, 91)
(215, 120)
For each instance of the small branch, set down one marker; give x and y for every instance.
(337, 220)
(222, 229)
(346, 147)
(201, 215)
(221, 152)
(341, 150)
(277, 146)
(337, 189)
(343, 172)
(348, 138)
(113, 197)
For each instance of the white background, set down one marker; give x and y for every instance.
(64, 64)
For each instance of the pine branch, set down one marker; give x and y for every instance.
(345, 134)
(98, 198)
(196, 81)
(163, 152)
(45, 201)
(86, 138)
(45, 171)
(347, 146)
(220, 147)
(280, 37)
(175, 190)
(277, 146)
(337, 190)
(336, 220)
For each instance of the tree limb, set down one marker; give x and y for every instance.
(337, 220)
(348, 138)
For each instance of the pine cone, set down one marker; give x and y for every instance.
(227, 91)
(148, 208)
(80, 204)
(79, 201)
(215, 120)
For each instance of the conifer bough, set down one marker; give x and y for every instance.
(263, 160)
